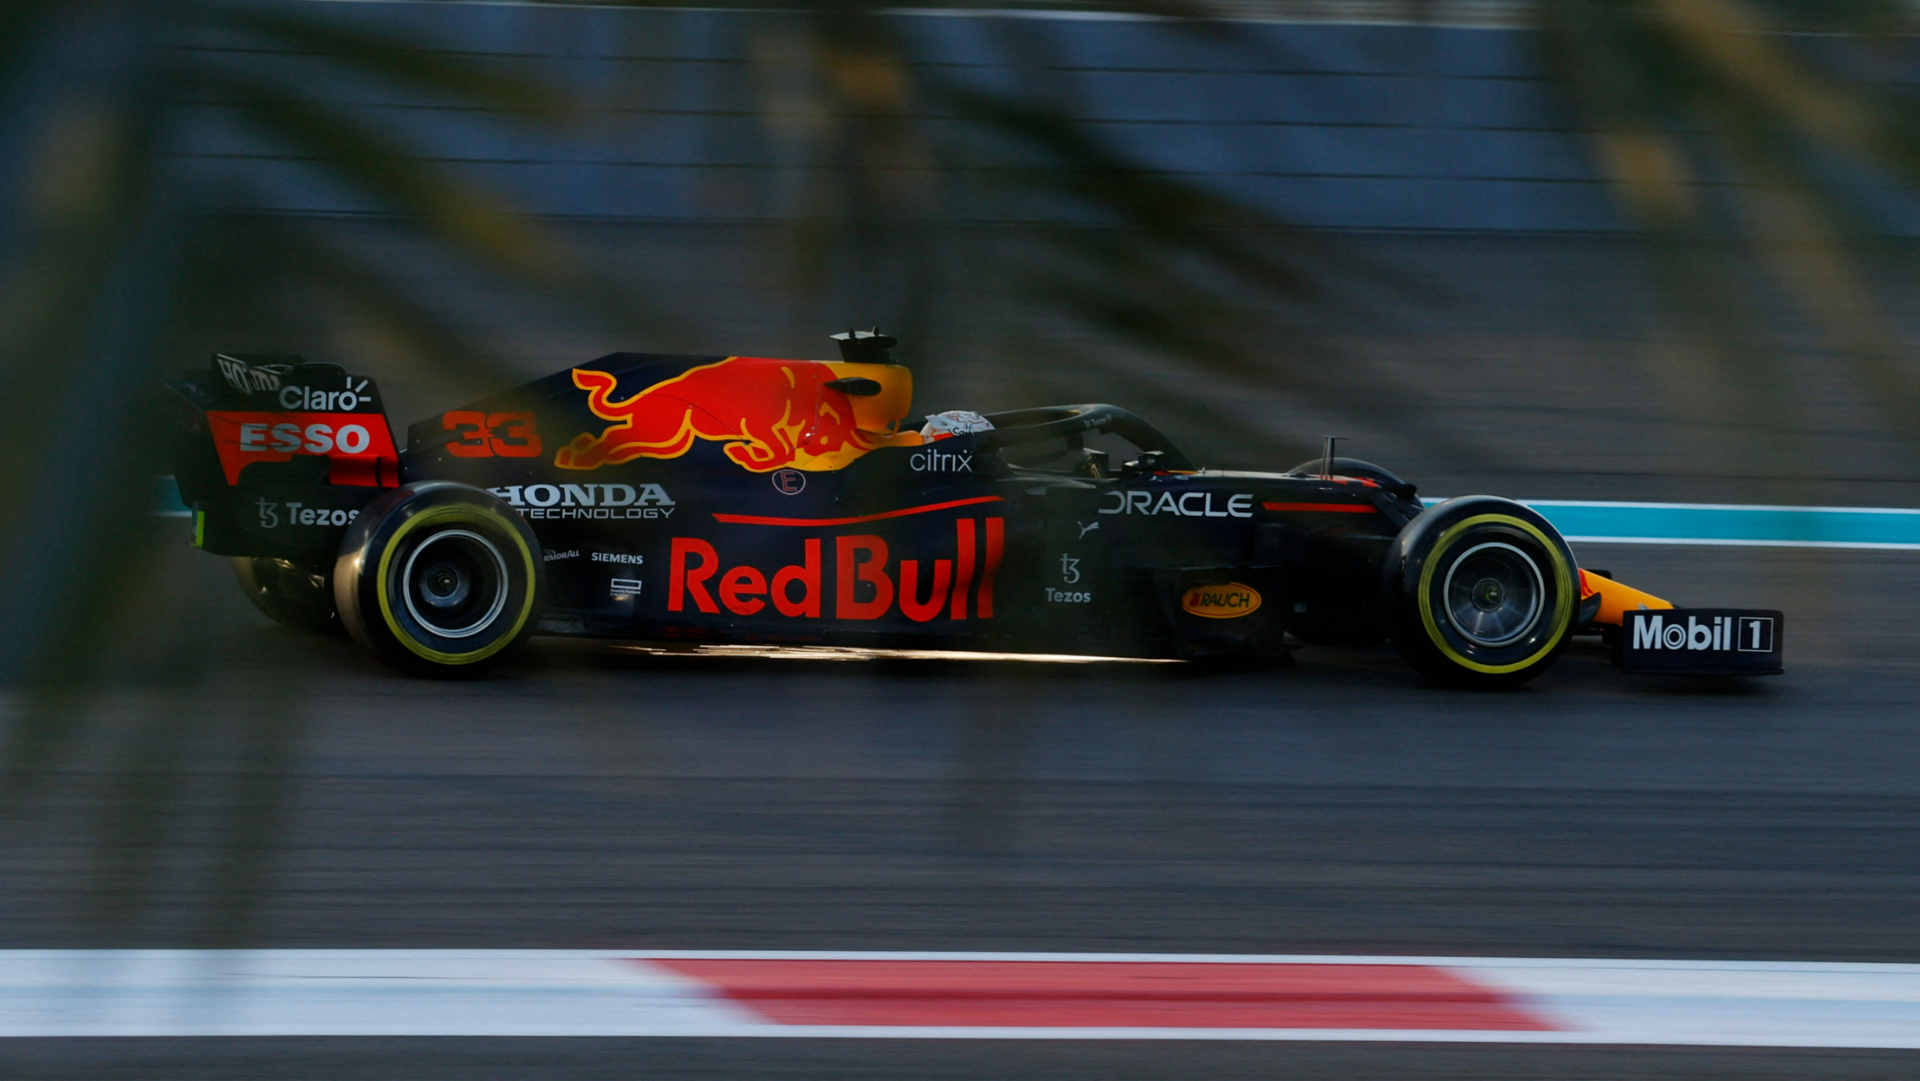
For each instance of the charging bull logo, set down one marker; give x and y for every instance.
(866, 582)
(771, 414)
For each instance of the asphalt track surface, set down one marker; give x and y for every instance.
(599, 798)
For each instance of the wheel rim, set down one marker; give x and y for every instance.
(1494, 594)
(455, 583)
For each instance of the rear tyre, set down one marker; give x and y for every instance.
(439, 579)
(290, 595)
(1481, 593)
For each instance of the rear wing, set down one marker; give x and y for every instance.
(276, 455)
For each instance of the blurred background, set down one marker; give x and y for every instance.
(1572, 249)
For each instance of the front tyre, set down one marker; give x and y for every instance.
(1481, 593)
(439, 579)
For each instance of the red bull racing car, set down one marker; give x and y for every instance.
(735, 499)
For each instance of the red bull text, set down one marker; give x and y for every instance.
(866, 584)
(770, 414)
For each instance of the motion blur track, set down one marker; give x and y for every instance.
(600, 798)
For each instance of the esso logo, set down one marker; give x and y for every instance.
(319, 437)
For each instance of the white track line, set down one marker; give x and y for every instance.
(82, 993)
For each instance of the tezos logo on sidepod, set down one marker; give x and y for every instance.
(273, 515)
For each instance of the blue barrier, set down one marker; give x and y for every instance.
(166, 499)
(1701, 523)
(1731, 524)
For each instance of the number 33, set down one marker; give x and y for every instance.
(488, 435)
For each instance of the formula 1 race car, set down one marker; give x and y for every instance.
(750, 500)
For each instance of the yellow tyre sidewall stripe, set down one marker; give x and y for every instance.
(1562, 576)
(460, 512)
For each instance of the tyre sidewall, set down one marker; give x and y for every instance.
(1415, 573)
(370, 594)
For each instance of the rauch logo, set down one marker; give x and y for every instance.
(1229, 601)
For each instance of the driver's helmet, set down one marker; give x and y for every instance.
(954, 422)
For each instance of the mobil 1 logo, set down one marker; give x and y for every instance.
(1702, 641)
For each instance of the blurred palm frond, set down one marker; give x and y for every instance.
(1741, 134)
(1735, 134)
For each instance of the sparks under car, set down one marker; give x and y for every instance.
(710, 499)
